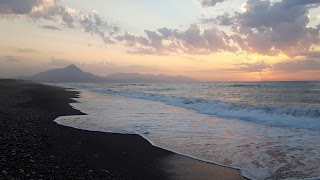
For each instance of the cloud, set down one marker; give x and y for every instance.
(207, 3)
(194, 40)
(71, 18)
(196, 59)
(293, 66)
(264, 27)
(310, 54)
(223, 20)
(18, 6)
(59, 62)
(54, 11)
(272, 28)
(50, 27)
(10, 58)
(28, 50)
(254, 67)
(286, 66)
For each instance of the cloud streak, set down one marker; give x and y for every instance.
(208, 3)
(51, 27)
(286, 66)
(294, 66)
(28, 50)
(10, 59)
(254, 67)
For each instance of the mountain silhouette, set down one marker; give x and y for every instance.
(73, 74)
(70, 73)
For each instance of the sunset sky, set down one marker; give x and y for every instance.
(211, 40)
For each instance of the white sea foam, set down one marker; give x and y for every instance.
(259, 151)
(287, 116)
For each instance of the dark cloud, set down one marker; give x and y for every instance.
(264, 28)
(310, 54)
(94, 24)
(28, 50)
(208, 3)
(223, 20)
(70, 18)
(194, 40)
(293, 66)
(18, 6)
(50, 27)
(210, 20)
(54, 11)
(286, 66)
(10, 58)
(273, 28)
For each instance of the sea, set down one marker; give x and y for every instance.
(267, 130)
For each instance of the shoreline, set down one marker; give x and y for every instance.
(141, 135)
(55, 151)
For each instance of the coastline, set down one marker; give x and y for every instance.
(34, 146)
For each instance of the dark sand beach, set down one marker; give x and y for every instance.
(32, 146)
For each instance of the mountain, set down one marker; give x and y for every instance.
(68, 74)
(74, 74)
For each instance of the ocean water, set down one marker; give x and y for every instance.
(268, 130)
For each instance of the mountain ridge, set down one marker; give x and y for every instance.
(73, 74)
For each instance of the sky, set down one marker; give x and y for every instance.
(209, 40)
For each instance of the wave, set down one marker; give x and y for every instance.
(290, 116)
(245, 85)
